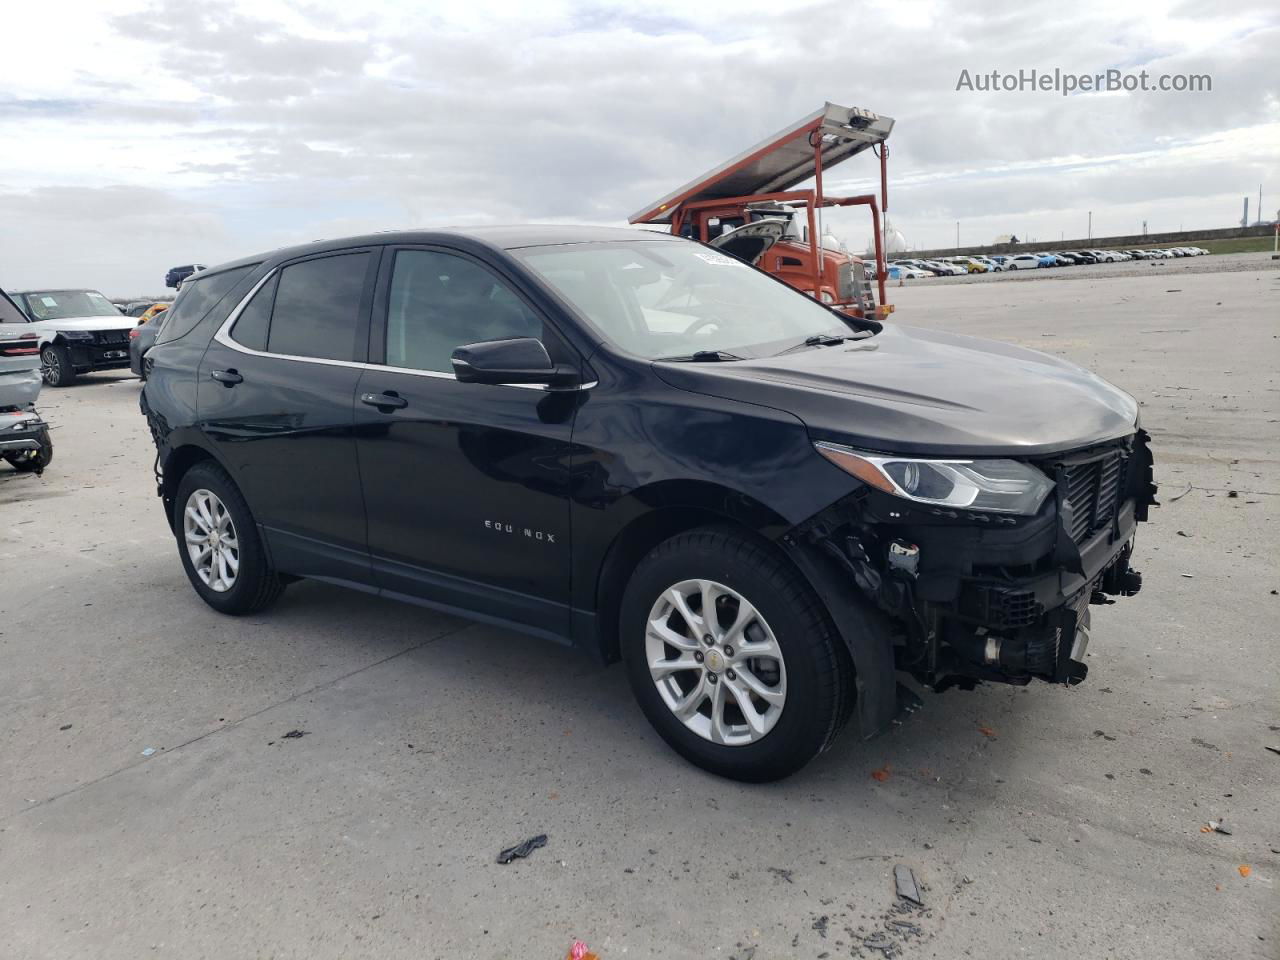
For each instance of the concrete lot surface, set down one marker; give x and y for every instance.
(1042, 822)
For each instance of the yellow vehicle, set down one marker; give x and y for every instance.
(151, 311)
(970, 264)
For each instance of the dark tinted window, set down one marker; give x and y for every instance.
(439, 302)
(250, 329)
(196, 299)
(317, 307)
(10, 312)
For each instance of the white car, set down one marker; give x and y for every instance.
(79, 331)
(1023, 261)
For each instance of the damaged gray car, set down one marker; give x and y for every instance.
(24, 437)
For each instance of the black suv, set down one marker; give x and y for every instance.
(637, 445)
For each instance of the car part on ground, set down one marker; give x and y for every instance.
(642, 447)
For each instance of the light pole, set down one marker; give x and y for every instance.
(957, 234)
(1090, 234)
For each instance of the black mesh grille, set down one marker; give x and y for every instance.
(1092, 493)
(105, 337)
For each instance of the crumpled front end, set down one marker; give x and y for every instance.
(978, 596)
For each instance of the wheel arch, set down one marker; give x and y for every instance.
(659, 512)
(176, 465)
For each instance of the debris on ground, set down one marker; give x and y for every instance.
(1245, 869)
(1182, 494)
(67, 726)
(881, 775)
(1103, 735)
(1233, 494)
(295, 734)
(781, 874)
(1273, 749)
(905, 881)
(987, 732)
(1183, 533)
(523, 849)
(1217, 826)
(821, 925)
(149, 751)
(879, 941)
(580, 951)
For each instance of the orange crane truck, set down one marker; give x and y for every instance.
(750, 206)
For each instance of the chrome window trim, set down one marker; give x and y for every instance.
(223, 336)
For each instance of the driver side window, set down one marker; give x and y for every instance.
(441, 301)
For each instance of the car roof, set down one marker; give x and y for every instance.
(54, 290)
(507, 237)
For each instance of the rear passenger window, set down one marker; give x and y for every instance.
(317, 307)
(250, 328)
(196, 299)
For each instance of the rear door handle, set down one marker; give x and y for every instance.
(228, 378)
(384, 401)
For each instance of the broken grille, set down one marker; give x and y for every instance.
(1091, 493)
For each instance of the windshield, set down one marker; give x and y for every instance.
(65, 304)
(674, 299)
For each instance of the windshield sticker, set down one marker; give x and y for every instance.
(719, 259)
(49, 301)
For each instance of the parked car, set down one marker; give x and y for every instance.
(174, 277)
(79, 331)
(1023, 261)
(25, 443)
(990, 263)
(143, 337)
(652, 451)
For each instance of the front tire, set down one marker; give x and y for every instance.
(218, 541)
(757, 690)
(55, 365)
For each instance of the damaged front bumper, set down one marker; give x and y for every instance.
(961, 597)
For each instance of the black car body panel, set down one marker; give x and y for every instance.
(528, 506)
(916, 391)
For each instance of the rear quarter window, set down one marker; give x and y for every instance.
(198, 298)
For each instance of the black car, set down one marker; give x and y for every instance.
(174, 277)
(636, 445)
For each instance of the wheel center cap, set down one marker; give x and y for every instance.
(714, 661)
(213, 539)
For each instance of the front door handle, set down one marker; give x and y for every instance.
(228, 378)
(384, 401)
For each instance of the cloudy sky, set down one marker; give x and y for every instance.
(139, 134)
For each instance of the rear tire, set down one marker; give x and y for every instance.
(219, 543)
(55, 365)
(798, 698)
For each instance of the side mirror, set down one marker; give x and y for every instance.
(519, 360)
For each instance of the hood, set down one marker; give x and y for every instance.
(86, 323)
(752, 241)
(915, 391)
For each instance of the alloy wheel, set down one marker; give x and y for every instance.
(715, 662)
(49, 369)
(211, 540)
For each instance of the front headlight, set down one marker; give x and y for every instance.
(75, 334)
(995, 486)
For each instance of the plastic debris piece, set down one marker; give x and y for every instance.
(1275, 750)
(1245, 869)
(987, 732)
(523, 849)
(149, 751)
(905, 881)
(881, 775)
(295, 734)
(580, 951)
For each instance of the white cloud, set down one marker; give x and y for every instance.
(241, 126)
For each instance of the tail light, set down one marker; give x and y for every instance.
(134, 333)
(24, 346)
